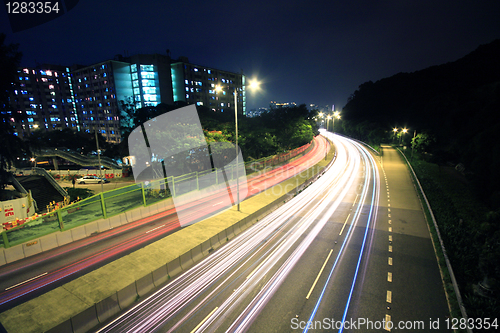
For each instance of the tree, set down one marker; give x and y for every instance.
(11, 146)
(421, 142)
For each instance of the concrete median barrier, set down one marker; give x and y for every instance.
(237, 228)
(196, 253)
(64, 327)
(48, 242)
(103, 225)
(78, 233)
(116, 221)
(222, 237)
(160, 275)
(107, 308)
(144, 285)
(230, 232)
(214, 241)
(127, 295)
(145, 212)
(31, 248)
(133, 215)
(85, 320)
(91, 228)
(2, 257)
(64, 237)
(174, 267)
(186, 261)
(206, 247)
(14, 253)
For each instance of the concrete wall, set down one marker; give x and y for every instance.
(16, 208)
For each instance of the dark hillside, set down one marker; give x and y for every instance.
(456, 108)
(458, 103)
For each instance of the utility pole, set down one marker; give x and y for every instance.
(99, 160)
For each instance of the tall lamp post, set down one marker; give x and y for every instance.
(99, 160)
(327, 119)
(336, 114)
(254, 85)
(403, 132)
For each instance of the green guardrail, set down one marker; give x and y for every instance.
(117, 201)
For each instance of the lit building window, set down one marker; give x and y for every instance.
(147, 68)
(149, 90)
(148, 75)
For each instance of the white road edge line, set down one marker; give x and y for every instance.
(36, 277)
(155, 228)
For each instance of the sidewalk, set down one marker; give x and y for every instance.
(405, 282)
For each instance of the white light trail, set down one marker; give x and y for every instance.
(316, 204)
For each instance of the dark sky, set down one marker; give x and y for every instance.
(302, 51)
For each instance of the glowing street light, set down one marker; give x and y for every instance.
(336, 114)
(253, 84)
(403, 132)
(327, 119)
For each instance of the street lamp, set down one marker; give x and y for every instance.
(403, 132)
(33, 160)
(336, 114)
(327, 119)
(253, 85)
(99, 160)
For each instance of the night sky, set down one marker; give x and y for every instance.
(302, 51)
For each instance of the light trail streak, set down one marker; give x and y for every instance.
(375, 199)
(330, 203)
(305, 215)
(173, 297)
(259, 182)
(375, 195)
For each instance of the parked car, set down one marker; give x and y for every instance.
(91, 180)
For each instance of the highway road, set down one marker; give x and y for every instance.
(30, 277)
(338, 257)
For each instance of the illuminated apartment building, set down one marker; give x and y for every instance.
(195, 84)
(89, 98)
(97, 90)
(42, 99)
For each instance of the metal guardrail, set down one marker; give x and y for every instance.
(448, 264)
(52, 181)
(79, 159)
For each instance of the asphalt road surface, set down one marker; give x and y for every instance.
(350, 251)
